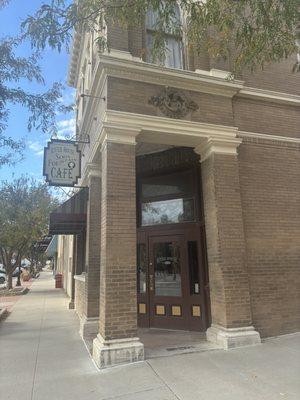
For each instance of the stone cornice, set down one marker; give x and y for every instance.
(140, 71)
(269, 95)
(269, 140)
(75, 53)
(90, 170)
(122, 65)
(116, 134)
(223, 146)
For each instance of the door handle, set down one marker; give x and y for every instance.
(151, 282)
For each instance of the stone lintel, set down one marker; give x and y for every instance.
(109, 353)
(230, 338)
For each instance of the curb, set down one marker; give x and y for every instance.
(24, 290)
(3, 313)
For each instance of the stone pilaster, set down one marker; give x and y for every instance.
(117, 341)
(74, 265)
(226, 251)
(90, 316)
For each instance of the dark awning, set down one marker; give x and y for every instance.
(70, 217)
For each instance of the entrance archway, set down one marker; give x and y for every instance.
(171, 261)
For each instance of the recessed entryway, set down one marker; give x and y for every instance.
(165, 342)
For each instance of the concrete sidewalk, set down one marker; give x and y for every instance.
(42, 357)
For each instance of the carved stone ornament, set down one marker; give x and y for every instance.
(173, 104)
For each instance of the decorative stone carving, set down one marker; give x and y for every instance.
(173, 103)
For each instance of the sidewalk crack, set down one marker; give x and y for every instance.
(37, 350)
(163, 381)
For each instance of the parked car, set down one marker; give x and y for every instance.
(2, 276)
(16, 272)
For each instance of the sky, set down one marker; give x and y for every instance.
(55, 68)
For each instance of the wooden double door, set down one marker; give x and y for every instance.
(171, 278)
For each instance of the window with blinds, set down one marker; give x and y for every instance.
(173, 57)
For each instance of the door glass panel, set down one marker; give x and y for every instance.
(141, 268)
(167, 212)
(167, 269)
(193, 267)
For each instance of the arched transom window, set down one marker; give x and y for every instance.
(173, 56)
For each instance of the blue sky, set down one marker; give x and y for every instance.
(55, 68)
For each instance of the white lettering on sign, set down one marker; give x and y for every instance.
(62, 163)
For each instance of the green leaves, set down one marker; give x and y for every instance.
(251, 33)
(24, 211)
(51, 25)
(42, 107)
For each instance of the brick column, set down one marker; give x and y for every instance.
(117, 341)
(90, 318)
(226, 251)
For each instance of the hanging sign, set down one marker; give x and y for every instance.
(62, 163)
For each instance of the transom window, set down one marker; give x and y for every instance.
(167, 199)
(173, 56)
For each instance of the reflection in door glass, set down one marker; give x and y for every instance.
(167, 212)
(167, 269)
(141, 268)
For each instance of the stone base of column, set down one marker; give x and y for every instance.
(109, 353)
(71, 305)
(230, 338)
(88, 327)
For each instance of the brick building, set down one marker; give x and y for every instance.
(192, 216)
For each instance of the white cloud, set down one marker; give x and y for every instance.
(66, 127)
(68, 96)
(36, 147)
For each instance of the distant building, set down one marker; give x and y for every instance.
(191, 219)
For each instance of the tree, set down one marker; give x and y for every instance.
(24, 211)
(42, 107)
(251, 33)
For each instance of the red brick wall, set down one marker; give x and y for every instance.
(118, 312)
(266, 117)
(228, 278)
(277, 77)
(270, 188)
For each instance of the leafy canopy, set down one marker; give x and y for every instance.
(252, 33)
(24, 211)
(15, 71)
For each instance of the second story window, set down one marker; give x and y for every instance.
(173, 54)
